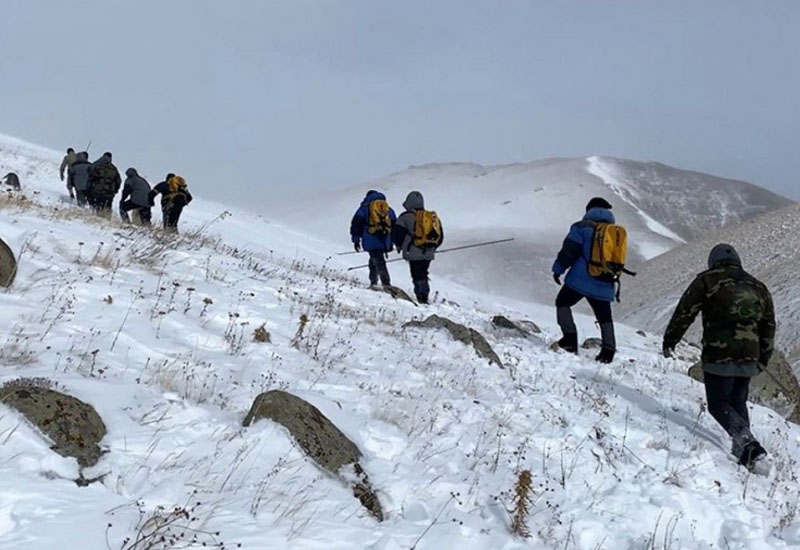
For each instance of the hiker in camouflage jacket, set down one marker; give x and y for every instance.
(738, 340)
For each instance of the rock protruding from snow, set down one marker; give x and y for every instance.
(464, 334)
(776, 388)
(8, 265)
(321, 440)
(73, 426)
(395, 292)
(524, 328)
(592, 343)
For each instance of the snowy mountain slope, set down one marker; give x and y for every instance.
(156, 334)
(770, 249)
(535, 203)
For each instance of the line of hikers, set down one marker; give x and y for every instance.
(737, 310)
(97, 183)
(738, 316)
(417, 233)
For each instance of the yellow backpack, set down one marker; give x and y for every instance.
(609, 250)
(427, 229)
(177, 186)
(379, 221)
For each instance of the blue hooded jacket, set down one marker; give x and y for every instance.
(575, 254)
(358, 227)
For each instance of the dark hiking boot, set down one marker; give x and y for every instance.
(569, 343)
(606, 355)
(751, 454)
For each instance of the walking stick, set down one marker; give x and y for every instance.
(464, 247)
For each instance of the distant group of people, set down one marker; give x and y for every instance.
(416, 234)
(737, 311)
(96, 184)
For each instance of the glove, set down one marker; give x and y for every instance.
(71, 194)
(557, 278)
(399, 249)
(667, 351)
(386, 255)
(357, 247)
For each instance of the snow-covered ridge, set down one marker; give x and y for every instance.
(156, 334)
(535, 203)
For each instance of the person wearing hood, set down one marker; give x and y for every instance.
(135, 198)
(371, 229)
(78, 178)
(738, 341)
(573, 259)
(104, 183)
(175, 196)
(406, 236)
(68, 160)
(12, 180)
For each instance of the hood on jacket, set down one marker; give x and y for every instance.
(599, 215)
(723, 253)
(83, 156)
(414, 201)
(103, 160)
(372, 196)
(131, 172)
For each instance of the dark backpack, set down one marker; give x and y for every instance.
(103, 178)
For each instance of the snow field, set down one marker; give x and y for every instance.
(155, 332)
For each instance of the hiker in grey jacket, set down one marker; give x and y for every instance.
(419, 258)
(135, 199)
(78, 178)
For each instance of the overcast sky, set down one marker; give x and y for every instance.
(256, 98)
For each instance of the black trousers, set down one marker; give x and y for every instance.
(145, 215)
(378, 269)
(419, 275)
(727, 403)
(567, 298)
(171, 213)
(102, 203)
(80, 197)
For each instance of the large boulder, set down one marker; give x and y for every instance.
(466, 335)
(777, 387)
(74, 427)
(319, 438)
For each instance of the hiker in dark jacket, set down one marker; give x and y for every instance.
(738, 341)
(174, 197)
(11, 179)
(598, 291)
(374, 236)
(104, 183)
(419, 258)
(135, 198)
(67, 161)
(78, 178)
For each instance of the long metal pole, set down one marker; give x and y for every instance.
(443, 251)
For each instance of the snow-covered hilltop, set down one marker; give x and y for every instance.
(770, 249)
(535, 203)
(157, 334)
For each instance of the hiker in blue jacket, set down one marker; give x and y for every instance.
(598, 291)
(371, 229)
